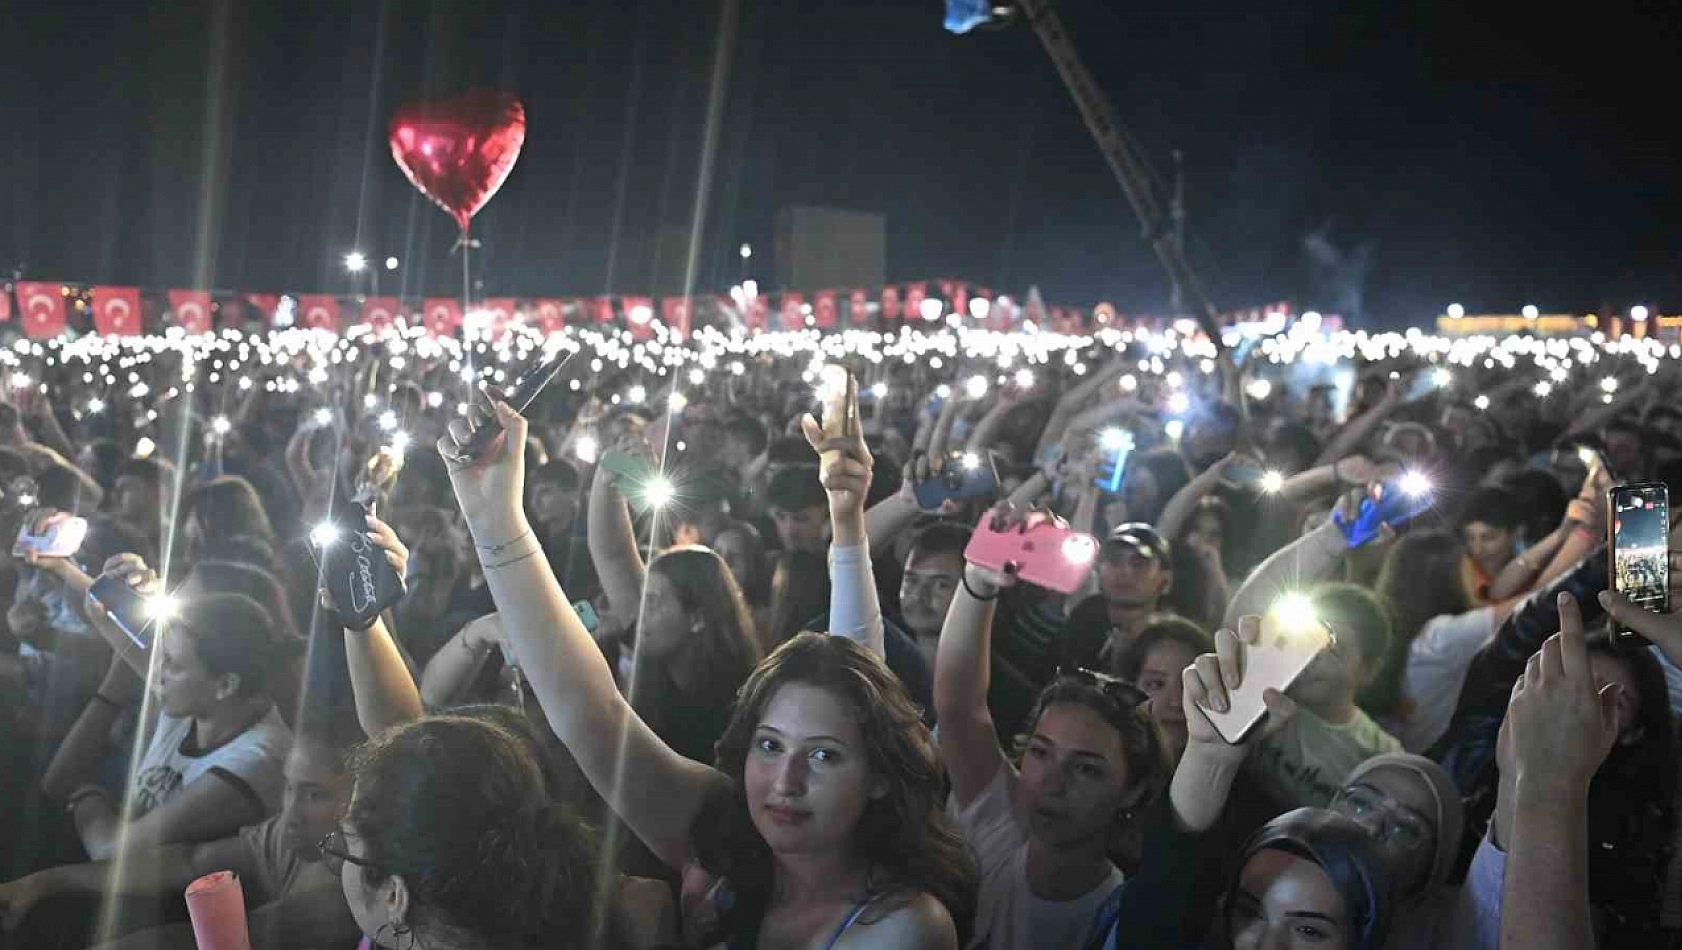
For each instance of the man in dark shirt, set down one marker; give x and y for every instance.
(1134, 575)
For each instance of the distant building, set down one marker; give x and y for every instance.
(823, 248)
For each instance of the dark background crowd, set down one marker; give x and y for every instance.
(605, 711)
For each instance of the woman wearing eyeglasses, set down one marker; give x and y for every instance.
(452, 842)
(1042, 830)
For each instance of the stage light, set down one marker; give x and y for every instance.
(391, 263)
(1455, 311)
(1530, 312)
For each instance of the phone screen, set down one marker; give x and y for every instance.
(1640, 548)
(126, 607)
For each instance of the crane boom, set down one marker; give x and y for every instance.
(1129, 171)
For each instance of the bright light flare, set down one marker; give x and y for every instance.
(1174, 428)
(324, 416)
(1482, 402)
(587, 449)
(355, 262)
(162, 607)
(388, 420)
(976, 387)
(659, 491)
(1442, 378)
(324, 534)
(1295, 611)
(930, 308)
(970, 461)
(1272, 481)
(220, 425)
(96, 406)
(1024, 379)
(1178, 403)
(637, 395)
(1415, 484)
(1115, 439)
(1258, 389)
(1080, 549)
(144, 447)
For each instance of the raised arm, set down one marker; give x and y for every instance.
(612, 539)
(1176, 515)
(1562, 728)
(1293, 567)
(459, 662)
(1355, 434)
(385, 691)
(962, 673)
(656, 791)
(166, 870)
(844, 469)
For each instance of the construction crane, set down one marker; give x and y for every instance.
(1161, 224)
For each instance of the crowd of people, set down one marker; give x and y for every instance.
(687, 657)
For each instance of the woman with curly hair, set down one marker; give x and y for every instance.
(823, 811)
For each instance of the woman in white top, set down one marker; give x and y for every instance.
(1043, 833)
(216, 756)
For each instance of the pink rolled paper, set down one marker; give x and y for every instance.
(216, 902)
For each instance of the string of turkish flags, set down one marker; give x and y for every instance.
(49, 308)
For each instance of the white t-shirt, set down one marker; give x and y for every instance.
(1008, 916)
(254, 759)
(1436, 669)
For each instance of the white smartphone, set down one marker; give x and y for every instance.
(1276, 661)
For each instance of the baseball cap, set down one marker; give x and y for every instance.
(1138, 536)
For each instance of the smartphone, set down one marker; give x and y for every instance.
(1393, 502)
(519, 395)
(959, 481)
(1047, 553)
(587, 615)
(1276, 661)
(636, 478)
(359, 580)
(56, 534)
(127, 608)
(1117, 445)
(1639, 536)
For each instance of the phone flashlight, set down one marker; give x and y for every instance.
(1272, 481)
(324, 416)
(970, 461)
(220, 425)
(1080, 549)
(1415, 484)
(324, 534)
(659, 491)
(162, 607)
(388, 421)
(1114, 439)
(1295, 611)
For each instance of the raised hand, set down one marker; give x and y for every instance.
(1211, 678)
(489, 489)
(1562, 726)
(1663, 629)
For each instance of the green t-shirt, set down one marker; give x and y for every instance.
(1306, 762)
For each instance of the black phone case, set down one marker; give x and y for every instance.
(520, 395)
(126, 607)
(360, 581)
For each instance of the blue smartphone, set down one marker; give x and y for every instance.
(958, 481)
(1394, 502)
(1117, 445)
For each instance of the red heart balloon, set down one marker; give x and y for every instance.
(459, 151)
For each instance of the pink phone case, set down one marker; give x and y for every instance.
(1047, 554)
(61, 537)
(1275, 662)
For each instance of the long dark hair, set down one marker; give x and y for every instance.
(904, 835)
(226, 506)
(1149, 767)
(725, 649)
(456, 807)
(1420, 580)
(232, 633)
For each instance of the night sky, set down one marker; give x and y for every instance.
(1391, 160)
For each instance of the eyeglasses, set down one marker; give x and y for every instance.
(1399, 828)
(1124, 693)
(335, 852)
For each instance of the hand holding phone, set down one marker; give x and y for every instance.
(359, 580)
(1040, 548)
(519, 396)
(1244, 681)
(965, 475)
(1390, 503)
(1638, 541)
(50, 534)
(136, 614)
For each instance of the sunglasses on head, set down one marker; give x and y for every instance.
(1124, 693)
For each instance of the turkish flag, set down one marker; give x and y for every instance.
(265, 305)
(859, 307)
(442, 315)
(914, 294)
(675, 314)
(5, 305)
(890, 303)
(639, 316)
(791, 312)
(550, 314)
(603, 309)
(318, 312)
(116, 311)
(823, 309)
(959, 295)
(42, 305)
(192, 310)
(381, 312)
(758, 315)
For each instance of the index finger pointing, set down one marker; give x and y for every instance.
(1573, 649)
